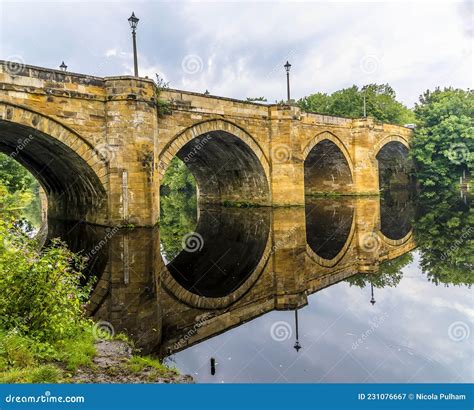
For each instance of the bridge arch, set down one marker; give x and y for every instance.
(226, 161)
(328, 166)
(388, 139)
(70, 170)
(392, 161)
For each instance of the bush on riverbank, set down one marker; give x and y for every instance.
(45, 336)
(43, 330)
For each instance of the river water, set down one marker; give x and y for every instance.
(369, 289)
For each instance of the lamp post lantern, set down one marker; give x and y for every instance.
(63, 66)
(297, 345)
(372, 300)
(133, 20)
(287, 68)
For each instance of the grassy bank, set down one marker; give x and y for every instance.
(83, 359)
(45, 335)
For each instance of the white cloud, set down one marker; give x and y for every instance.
(243, 45)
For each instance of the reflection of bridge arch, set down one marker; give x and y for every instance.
(69, 169)
(226, 161)
(328, 165)
(329, 263)
(177, 291)
(396, 242)
(315, 250)
(222, 259)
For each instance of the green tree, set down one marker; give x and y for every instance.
(380, 102)
(14, 176)
(178, 177)
(444, 233)
(443, 143)
(389, 274)
(178, 217)
(178, 207)
(19, 192)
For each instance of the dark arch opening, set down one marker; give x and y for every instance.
(223, 252)
(328, 225)
(225, 169)
(395, 166)
(73, 189)
(397, 212)
(226, 242)
(326, 170)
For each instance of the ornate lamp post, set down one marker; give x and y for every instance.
(133, 20)
(287, 68)
(63, 66)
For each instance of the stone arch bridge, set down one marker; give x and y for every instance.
(100, 146)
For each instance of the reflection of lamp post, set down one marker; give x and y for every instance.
(287, 68)
(133, 20)
(213, 366)
(372, 291)
(297, 345)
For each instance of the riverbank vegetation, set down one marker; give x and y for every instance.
(443, 142)
(45, 335)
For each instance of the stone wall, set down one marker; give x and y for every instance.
(101, 146)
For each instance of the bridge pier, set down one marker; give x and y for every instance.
(131, 131)
(287, 168)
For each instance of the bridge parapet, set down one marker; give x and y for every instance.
(277, 151)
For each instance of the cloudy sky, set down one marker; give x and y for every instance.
(237, 49)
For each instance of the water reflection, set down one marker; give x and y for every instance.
(222, 252)
(259, 288)
(397, 213)
(328, 225)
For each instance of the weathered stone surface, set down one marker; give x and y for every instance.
(100, 147)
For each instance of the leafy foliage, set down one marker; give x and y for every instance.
(444, 233)
(178, 217)
(19, 192)
(443, 144)
(389, 275)
(14, 176)
(380, 101)
(40, 292)
(178, 177)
